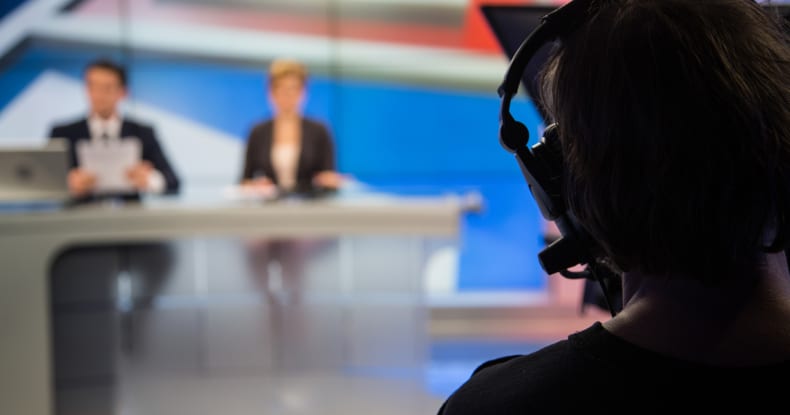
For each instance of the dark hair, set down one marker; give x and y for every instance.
(109, 65)
(674, 118)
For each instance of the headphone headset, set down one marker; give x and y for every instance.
(542, 165)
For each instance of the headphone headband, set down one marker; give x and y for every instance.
(557, 23)
(543, 165)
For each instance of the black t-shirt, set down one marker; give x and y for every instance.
(595, 371)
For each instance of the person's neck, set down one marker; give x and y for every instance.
(287, 118)
(743, 321)
(105, 116)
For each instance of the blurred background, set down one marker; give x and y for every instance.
(407, 87)
(408, 90)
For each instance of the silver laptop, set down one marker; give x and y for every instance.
(34, 173)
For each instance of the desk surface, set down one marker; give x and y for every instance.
(338, 215)
(29, 241)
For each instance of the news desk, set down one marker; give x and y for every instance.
(30, 241)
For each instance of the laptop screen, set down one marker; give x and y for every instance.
(34, 174)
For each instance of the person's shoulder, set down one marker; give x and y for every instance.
(495, 362)
(316, 130)
(68, 124)
(266, 122)
(543, 357)
(313, 121)
(144, 131)
(315, 124)
(540, 359)
(260, 128)
(511, 384)
(138, 124)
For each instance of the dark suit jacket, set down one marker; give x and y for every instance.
(317, 153)
(152, 151)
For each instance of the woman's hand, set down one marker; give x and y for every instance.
(328, 179)
(259, 187)
(259, 183)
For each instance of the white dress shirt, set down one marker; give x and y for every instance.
(285, 159)
(100, 128)
(110, 129)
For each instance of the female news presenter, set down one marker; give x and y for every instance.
(289, 152)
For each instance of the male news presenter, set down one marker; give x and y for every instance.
(105, 83)
(84, 326)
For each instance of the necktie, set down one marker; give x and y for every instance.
(104, 128)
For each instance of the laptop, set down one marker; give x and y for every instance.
(34, 174)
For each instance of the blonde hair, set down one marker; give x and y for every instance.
(282, 68)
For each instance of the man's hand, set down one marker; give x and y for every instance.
(80, 182)
(140, 175)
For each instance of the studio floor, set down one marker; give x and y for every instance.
(299, 381)
(218, 346)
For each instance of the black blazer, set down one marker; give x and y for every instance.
(317, 153)
(152, 151)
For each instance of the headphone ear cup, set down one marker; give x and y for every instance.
(513, 135)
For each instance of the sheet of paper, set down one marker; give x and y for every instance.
(109, 161)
